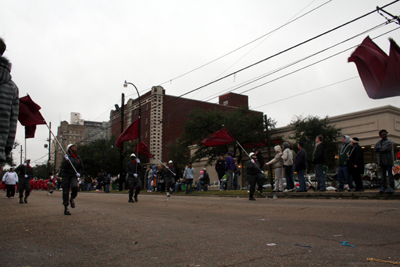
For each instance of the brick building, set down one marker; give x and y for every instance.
(164, 116)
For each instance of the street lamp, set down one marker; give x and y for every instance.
(140, 115)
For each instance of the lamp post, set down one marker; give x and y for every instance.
(140, 115)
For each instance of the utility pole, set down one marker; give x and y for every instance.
(48, 162)
(269, 150)
(121, 175)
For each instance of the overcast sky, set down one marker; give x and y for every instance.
(73, 56)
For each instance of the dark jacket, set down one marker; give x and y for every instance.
(356, 157)
(168, 173)
(205, 178)
(220, 166)
(300, 162)
(229, 163)
(66, 168)
(9, 108)
(384, 152)
(22, 170)
(133, 168)
(319, 154)
(260, 158)
(253, 169)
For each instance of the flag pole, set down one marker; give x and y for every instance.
(164, 165)
(58, 142)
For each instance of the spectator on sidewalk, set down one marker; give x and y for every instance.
(343, 171)
(356, 163)
(220, 167)
(385, 154)
(301, 166)
(188, 175)
(229, 168)
(319, 160)
(277, 164)
(287, 157)
(10, 179)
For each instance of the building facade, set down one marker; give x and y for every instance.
(163, 117)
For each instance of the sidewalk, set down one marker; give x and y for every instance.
(367, 194)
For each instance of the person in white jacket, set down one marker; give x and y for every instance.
(287, 157)
(10, 178)
(277, 162)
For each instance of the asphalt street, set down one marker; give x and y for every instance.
(106, 230)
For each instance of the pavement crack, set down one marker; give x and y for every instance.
(384, 211)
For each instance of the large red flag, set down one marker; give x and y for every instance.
(29, 115)
(142, 149)
(219, 138)
(130, 133)
(379, 73)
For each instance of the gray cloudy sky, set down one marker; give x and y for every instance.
(73, 56)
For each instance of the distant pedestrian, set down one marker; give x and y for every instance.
(356, 163)
(10, 179)
(133, 170)
(300, 166)
(25, 174)
(71, 169)
(9, 107)
(287, 157)
(188, 175)
(50, 184)
(318, 160)
(343, 170)
(149, 178)
(277, 164)
(385, 154)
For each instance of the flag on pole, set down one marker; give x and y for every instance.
(130, 133)
(29, 115)
(219, 138)
(142, 149)
(379, 73)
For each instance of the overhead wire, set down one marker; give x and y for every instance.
(265, 59)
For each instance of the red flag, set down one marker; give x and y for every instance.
(219, 138)
(29, 115)
(130, 133)
(379, 73)
(142, 149)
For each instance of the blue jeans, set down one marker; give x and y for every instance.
(189, 183)
(199, 185)
(229, 179)
(222, 186)
(88, 187)
(107, 190)
(302, 180)
(289, 177)
(177, 187)
(343, 172)
(387, 169)
(319, 174)
(149, 187)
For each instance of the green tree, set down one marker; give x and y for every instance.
(307, 129)
(40, 171)
(244, 125)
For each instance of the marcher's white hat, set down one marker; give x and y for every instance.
(170, 161)
(133, 155)
(69, 146)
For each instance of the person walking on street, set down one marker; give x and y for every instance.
(71, 169)
(385, 154)
(133, 170)
(10, 179)
(277, 164)
(254, 175)
(170, 174)
(356, 163)
(188, 175)
(343, 171)
(229, 168)
(9, 107)
(300, 166)
(287, 157)
(319, 160)
(25, 174)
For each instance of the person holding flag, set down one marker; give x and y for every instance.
(71, 169)
(25, 173)
(254, 175)
(170, 176)
(133, 170)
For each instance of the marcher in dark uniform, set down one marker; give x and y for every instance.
(254, 175)
(25, 173)
(169, 176)
(133, 170)
(70, 176)
(355, 163)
